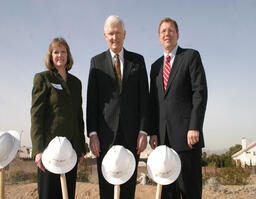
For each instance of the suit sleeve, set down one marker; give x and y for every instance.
(144, 98)
(39, 94)
(92, 100)
(154, 116)
(199, 92)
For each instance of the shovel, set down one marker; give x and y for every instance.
(158, 191)
(2, 183)
(117, 192)
(64, 186)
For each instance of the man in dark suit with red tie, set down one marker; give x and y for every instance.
(117, 104)
(178, 97)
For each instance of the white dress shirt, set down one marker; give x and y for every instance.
(172, 55)
(121, 58)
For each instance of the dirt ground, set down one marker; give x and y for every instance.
(90, 191)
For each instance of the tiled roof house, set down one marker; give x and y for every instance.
(247, 155)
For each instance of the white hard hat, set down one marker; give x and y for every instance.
(9, 146)
(118, 165)
(163, 165)
(59, 157)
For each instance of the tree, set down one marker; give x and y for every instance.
(232, 150)
(204, 159)
(223, 160)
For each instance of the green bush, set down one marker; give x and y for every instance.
(233, 176)
(20, 176)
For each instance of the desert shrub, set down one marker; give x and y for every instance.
(233, 176)
(83, 171)
(20, 176)
(207, 176)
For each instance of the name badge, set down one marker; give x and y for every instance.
(57, 86)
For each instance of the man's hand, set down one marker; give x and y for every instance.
(38, 161)
(192, 137)
(141, 142)
(153, 141)
(95, 145)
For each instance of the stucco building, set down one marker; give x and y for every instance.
(247, 155)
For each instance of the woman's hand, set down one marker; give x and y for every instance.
(39, 163)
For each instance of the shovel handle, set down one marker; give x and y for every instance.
(158, 191)
(117, 192)
(64, 186)
(2, 183)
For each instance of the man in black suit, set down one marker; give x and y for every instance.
(178, 97)
(117, 103)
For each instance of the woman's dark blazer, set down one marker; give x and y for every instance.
(56, 111)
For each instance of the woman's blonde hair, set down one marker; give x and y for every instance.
(48, 59)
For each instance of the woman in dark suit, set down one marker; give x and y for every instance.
(56, 111)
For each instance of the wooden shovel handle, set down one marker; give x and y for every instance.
(64, 186)
(2, 183)
(158, 191)
(117, 192)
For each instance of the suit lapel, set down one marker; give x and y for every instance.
(127, 68)
(109, 66)
(160, 80)
(174, 69)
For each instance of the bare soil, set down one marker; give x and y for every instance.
(91, 191)
(25, 190)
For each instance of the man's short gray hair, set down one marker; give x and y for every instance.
(113, 19)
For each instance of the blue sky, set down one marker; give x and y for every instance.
(222, 31)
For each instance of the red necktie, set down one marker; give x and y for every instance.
(167, 69)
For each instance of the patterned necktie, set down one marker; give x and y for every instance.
(118, 71)
(166, 73)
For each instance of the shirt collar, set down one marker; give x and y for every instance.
(173, 53)
(121, 54)
(55, 71)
